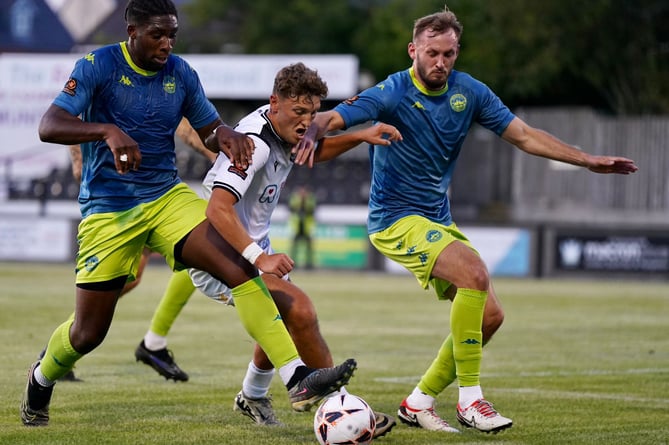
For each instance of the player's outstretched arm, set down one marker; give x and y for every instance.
(541, 143)
(324, 122)
(333, 146)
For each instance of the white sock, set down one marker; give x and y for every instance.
(287, 370)
(419, 400)
(256, 382)
(154, 342)
(39, 378)
(469, 395)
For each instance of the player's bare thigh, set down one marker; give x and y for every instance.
(458, 264)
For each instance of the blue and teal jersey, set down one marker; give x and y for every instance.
(411, 177)
(106, 86)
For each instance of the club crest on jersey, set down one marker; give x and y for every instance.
(238, 171)
(433, 236)
(70, 86)
(458, 102)
(169, 84)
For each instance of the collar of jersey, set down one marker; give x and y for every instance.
(424, 90)
(126, 55)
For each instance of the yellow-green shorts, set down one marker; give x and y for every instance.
(415, 242)
(111, 244)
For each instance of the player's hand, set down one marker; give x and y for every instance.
(611, 164)
(381, 134)
(278, 264)
(127, 155)
(237, 146)
(303, 151)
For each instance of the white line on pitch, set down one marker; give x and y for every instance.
(587, 372)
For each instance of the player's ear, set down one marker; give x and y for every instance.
(411, 49)
(132, 30)
(273, 103)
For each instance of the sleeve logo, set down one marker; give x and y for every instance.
(70, 86)
(238, 171)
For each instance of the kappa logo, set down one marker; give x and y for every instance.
(90, 57)
(125, 81)
(471, 341)
(418, 105)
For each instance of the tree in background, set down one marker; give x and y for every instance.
(609, 54)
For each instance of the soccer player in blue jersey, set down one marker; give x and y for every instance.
(131, 96)
(433, 106)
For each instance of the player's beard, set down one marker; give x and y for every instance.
(432, 83)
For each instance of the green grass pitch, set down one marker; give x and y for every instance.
(576, 362)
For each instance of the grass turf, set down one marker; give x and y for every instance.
(576, 362)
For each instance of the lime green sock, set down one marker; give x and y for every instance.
(441, 372)
(262, 321)
(178, 292)
(466, 319)
(60, 356)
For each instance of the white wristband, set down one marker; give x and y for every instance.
(252, 252)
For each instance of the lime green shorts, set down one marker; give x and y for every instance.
(111, 244)
(415, 242)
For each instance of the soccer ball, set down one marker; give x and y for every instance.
(344, 419)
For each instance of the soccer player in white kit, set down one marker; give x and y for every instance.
(244, 200)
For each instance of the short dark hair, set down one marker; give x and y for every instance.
(297, 80)
(439, 22)
(140, 11)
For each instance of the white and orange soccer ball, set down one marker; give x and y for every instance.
(344, 419)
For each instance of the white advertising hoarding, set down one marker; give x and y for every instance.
(29, 82)
(36, 239)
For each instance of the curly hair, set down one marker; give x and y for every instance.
(297, 80)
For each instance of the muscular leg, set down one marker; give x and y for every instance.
(73, 339)
(257, 312)
(299, 315)
(441, 372)
(460, 355)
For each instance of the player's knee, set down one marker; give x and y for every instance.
(85, 340)
(303, 318)
(478, 276)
